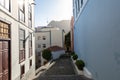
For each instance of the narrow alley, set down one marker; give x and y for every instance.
(61, 70)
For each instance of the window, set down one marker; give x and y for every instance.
(81, 3)
(21, 11)
(44, 45)
(76, 8)
(78, 5)
(21, 45)
(4, 31)
(30, 62)
(39, 61)
(29, 16)
(22, 70)
(30, 45)
(44, 38)
(5, 4)
(39, 53)
(39, 46)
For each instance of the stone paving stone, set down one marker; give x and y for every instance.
(57, 77)
(61, 70)
(63, 77)
(63, 66)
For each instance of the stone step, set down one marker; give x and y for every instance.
(62, 77)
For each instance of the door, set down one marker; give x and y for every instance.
(4, 66)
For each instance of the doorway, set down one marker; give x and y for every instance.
(4, 60)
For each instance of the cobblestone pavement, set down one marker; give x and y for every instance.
(61, 70)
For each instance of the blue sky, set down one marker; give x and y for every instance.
(47, 10)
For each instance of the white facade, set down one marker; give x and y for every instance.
(46, 37)
(97, 39)
(21, 56)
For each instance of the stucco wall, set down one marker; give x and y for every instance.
(41, 41)
(54, 37)
(12, 19)
(97, 39)
(57, 38)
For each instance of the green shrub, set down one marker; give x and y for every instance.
(72, 53)
(80, 64)
(46, 54)
(75, 56)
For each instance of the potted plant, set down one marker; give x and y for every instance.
(80, 64)
(72, 53)
(46, 54)
(75, 56)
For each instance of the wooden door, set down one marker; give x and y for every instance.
(4, 51)
(1, 73)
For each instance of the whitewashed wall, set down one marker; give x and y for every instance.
(12, 19)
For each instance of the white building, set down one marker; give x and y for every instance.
(17, 58)
(46, 37)
(97, 37)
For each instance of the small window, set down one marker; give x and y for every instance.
(81, 3)
(78, 5)
(22, 70)
(39, 53)
(76, 8)
(22, 11)
(4, 30)
(29, 16)
(39, 46)
(39, 61)
(30, 62)
(44, 45)
(21, 45)
(5, 4)
(30, 45)
(44, 38)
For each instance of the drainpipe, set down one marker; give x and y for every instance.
(62, 38)
(50, 38)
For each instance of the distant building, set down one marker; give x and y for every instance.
(97, 37)
(63, 24)
(17, 58)
(46, 37)
(72, 33)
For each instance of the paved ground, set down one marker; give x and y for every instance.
(61, 70)
(63, 66)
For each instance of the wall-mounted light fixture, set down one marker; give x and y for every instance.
(29, 36)
(33, 3)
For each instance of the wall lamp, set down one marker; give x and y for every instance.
(29, 36)
(33, 3)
